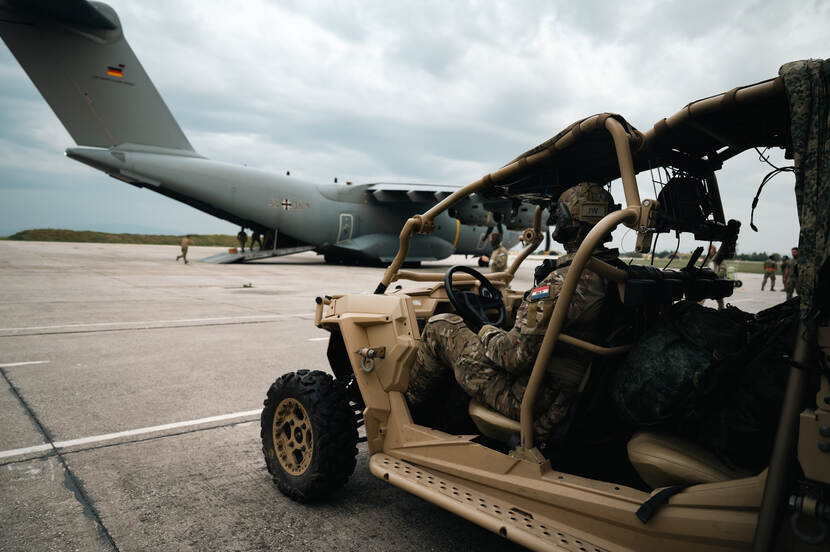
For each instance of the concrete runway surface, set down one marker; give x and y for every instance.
(131, 390)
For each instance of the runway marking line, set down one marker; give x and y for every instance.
(128, 433)
(212, 319)
(27, 363)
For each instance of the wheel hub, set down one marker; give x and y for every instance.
(292, 436)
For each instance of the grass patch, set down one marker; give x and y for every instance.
(87, 236)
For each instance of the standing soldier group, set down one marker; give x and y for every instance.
(789, 272)
(242, 237)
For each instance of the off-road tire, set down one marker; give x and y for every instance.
(333, 434)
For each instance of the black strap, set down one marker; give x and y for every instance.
(649, 507)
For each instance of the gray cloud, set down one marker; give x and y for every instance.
(433, 92)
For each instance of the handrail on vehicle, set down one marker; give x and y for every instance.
(630, 214)
(424, 223)
(560, 312)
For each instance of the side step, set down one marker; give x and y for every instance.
(494, 514)
(228, 258)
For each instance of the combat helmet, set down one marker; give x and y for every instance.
(578, 209)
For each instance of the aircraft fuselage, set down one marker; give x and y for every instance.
(339, 218)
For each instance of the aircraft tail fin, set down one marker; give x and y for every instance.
(75, 53)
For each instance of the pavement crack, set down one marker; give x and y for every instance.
(71, 481)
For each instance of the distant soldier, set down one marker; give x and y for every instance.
(498, 259)
(769, 273)
(791, 276)
(187, 241)
(256, 237)
(785, 267)
(718, 268)
(242, 237)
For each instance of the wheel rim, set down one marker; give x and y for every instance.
(292, 436)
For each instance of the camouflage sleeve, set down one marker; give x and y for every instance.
(498, 260)
(515, 350)
(510, 350)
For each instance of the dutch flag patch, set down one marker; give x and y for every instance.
(539, 293)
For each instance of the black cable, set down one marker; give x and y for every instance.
(654, 248)
(769, 176)
(674, 255)
(765, 159)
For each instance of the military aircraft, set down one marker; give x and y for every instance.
(75, 53)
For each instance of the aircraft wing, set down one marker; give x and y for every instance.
(390, 192)
(473, 210)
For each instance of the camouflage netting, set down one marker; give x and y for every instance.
(807, 84)
(716, 378)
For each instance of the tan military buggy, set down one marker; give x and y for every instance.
(687, 499)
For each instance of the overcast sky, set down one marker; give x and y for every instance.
(439, 92)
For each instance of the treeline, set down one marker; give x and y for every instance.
(762, 256)
(87, 236)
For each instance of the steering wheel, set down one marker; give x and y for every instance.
(472, 306)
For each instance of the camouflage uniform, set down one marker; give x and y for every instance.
(242, 237)
(806, 84)
(791, 277)
(256, 237)
(769, 274)
(498, 259)
(494, 365)
(186, 242)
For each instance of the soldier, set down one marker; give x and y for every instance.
(498, 258)
(785, 267)
(187, 241)
(256, 237)
(718, 268)
(493, 365)
(791, 276)
(769, 273)
(242, 237)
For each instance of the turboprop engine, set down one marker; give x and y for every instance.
(477, 211)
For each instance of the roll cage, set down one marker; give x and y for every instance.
(602, 148)
(697, 140)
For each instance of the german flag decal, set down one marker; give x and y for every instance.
(115, 72)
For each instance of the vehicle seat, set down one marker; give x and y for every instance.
(664, 461)
(491, 423)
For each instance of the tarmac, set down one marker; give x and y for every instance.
(132, 386)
